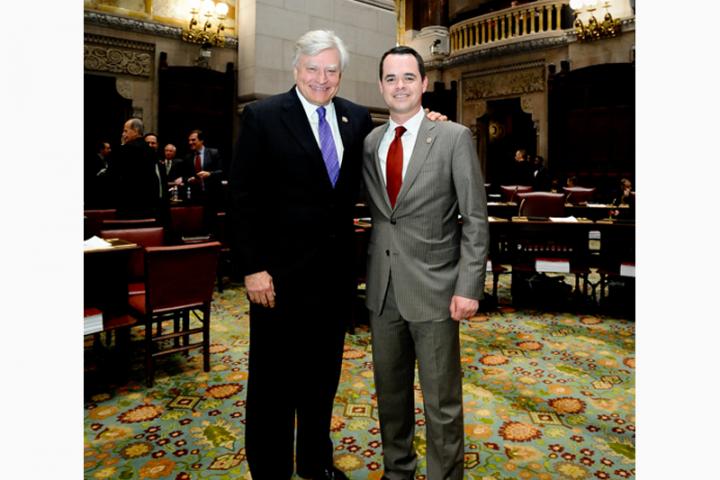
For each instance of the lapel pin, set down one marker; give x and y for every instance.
(344, 119)
(428, 140)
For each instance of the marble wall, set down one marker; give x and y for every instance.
(262, 35)
(268, 30)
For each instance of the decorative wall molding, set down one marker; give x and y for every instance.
(119, 56)
(504, 82)
(143, 26)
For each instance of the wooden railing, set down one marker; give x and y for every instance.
(511, 24)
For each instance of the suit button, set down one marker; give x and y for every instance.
(393, 221)
(387, 252)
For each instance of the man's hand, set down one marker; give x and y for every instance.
(202, 174)
(435, 116)
(462, 308)
(260, 289)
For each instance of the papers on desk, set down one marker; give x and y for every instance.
(570, 219)
(552, 265)
(95, 242)
(93, 321)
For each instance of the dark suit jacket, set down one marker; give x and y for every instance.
(96, 184)
(175, 171)
(135, 181)
(212, 162)
(287, 218)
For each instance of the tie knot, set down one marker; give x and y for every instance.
(399, 131)
(321, 113)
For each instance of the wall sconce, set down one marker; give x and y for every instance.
(206, 35)
(594, 30)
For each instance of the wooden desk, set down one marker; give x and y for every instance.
(518, 241)
(106, 282)
(593, 211)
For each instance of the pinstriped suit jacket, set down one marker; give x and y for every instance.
(430, 255)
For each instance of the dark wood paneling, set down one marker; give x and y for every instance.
(197, 98)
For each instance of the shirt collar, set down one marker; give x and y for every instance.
(311, 108)
(413, 125)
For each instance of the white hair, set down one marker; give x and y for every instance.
(315, 41)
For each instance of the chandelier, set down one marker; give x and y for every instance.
(200, 29)
(594, 29)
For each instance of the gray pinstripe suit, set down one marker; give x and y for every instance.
(418, 258)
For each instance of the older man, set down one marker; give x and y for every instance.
(294, 183)
(138, 191)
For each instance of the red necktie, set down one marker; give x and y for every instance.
(395, 166)
(198, 163)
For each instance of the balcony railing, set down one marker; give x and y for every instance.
(524, 22)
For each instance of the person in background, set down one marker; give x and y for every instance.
(426, 270)
(202, 170)
(521, 170)
(624, 194)
(171, 164)
(541, 178)
(625, 197)
(95, 176)
(137, 189)
(202, 176)
(152, 141)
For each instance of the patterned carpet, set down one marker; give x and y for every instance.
(547, 396)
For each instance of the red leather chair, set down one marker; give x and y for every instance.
(178, 280)
(145, 237)
(94, 218)
(541, 204)
(578, 195)
(116, 224)
(187, 224)
(510, 192)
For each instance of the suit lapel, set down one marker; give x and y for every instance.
(377, 168)
(298, 125)
(423, 142)
(296, 122)
(345, 127)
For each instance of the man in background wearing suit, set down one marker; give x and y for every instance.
(202, 174)
(426, 270)
(294, 183)
(133, 170)
(171, 165)
(96, 182)
(203, 168)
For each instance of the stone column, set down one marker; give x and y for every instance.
(430, 12)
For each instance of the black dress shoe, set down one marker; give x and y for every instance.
(330, 473)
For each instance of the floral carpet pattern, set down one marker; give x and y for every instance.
(547, 395)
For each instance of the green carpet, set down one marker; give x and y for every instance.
(546, 395)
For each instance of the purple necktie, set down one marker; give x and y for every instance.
(327, 147)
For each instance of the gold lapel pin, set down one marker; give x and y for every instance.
(344, 119)
(428, 140)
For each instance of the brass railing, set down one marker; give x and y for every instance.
(511, 24)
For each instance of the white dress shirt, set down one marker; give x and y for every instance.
(330, 117)
(408, 142)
